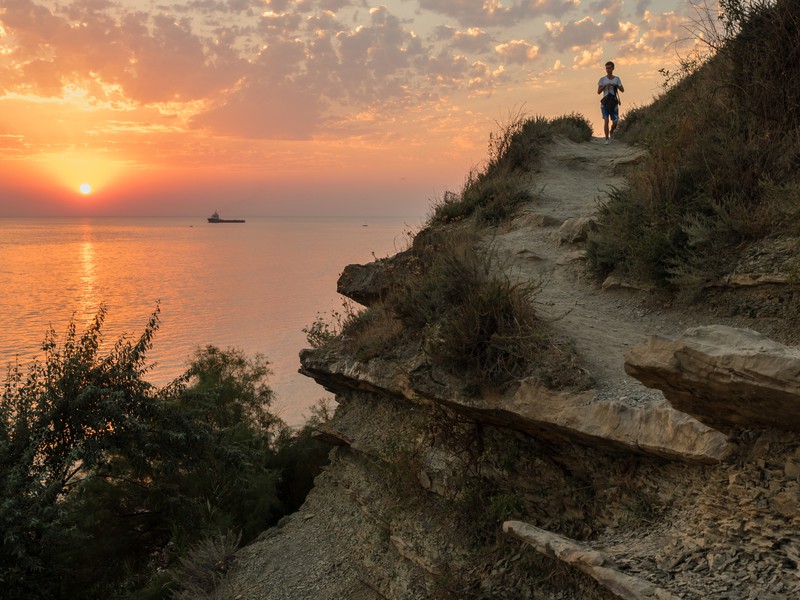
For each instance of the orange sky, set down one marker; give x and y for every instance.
(281, 107)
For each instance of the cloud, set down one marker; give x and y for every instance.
(656, 35)
(153, 59)
(300, 69)
(474, 40)
(588, 59)
(574, 34)
(483, 79)
(262, 108)
(493, 13)
(517, 52)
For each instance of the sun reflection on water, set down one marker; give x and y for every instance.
(89, 299)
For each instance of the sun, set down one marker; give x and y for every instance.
(85, 188)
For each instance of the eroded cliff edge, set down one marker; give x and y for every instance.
(612, 490)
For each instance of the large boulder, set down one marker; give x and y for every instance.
(728, 378)
(368, 284)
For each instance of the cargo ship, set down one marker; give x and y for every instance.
(215, 218)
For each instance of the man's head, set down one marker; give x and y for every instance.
(609, 66)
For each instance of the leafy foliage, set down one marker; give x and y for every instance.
(104, 477)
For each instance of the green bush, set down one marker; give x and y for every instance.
(104, 477)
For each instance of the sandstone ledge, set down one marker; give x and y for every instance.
(726, 377)
(654, 429)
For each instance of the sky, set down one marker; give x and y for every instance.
(304, 107)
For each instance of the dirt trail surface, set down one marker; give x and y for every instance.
(604, 324)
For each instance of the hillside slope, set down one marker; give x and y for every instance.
(606, 492)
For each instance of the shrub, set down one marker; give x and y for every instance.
(516, 145)
(489, 201)
(200, 571)
(104, 477)
(721, 173)
(574, 126)
(476, 324)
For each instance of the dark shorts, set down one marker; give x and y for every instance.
(614, 114)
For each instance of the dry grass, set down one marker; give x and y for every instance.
(721, 174)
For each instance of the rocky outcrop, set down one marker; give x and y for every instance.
(726, 377)
(655, 428)
(606, 493)
(366, 284)
(611, 425)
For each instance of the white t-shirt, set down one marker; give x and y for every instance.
(605, 80)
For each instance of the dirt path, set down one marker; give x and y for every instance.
(604, 324)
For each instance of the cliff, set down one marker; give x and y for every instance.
(671, 470)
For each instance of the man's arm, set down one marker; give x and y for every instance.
(620, 87)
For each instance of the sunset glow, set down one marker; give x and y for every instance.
(85, 189)
(268, 107)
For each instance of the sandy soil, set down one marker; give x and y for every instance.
(604, 324)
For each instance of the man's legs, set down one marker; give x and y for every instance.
(605, 125)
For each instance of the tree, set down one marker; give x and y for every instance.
(62, 424)
(103, 475)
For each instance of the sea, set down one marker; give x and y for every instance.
(253, 286)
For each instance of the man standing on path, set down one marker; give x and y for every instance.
(609, 85)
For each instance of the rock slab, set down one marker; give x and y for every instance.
(587, 560)
(655, 428)
(726, 377)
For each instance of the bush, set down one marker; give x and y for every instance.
(573, 126)
(104, 478)
(201, 570)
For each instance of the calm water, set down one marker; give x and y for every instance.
(253, 286)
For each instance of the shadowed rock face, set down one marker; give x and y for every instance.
(723, 376)
(366, 284)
